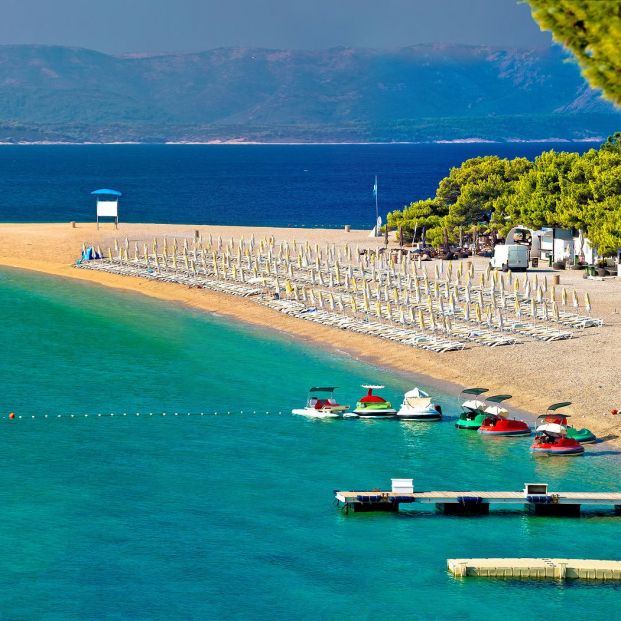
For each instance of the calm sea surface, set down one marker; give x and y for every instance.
(256, 185)
(230, 516)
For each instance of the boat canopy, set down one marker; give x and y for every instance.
(474, 391)
(372, 387)
(496, 410)
(498, 398)
(558, 406)
(416, 393)
(473, 404)
(323, 389)
(552, 429)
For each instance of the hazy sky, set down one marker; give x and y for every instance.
(120, 26)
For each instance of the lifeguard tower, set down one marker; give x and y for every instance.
(107, 205)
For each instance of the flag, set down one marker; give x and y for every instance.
(375, 187)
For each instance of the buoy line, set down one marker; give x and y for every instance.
(13, 417)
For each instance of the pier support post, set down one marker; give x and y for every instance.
(554, 509)
(456, 508)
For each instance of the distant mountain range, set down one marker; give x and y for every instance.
(419, 93)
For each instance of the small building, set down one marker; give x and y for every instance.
(107, 205)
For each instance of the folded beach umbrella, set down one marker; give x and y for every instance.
(564, 296)
(354, 307)
(527, 289)
(539, 295)
(517, 308)
(501, 323)
(544, 308)
(575, 299)
(587, 302)
(389, 310)
(331, 300)
(555, 312)
(411, 314)
(421, 320)
(378, 309)
(467, 311)
(441, 306)
(478, 313)
(533, 308)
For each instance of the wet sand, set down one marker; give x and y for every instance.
(584, 370)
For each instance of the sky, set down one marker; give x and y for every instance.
(133, 26)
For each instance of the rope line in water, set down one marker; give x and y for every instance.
(12, 417)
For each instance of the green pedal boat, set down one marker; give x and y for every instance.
(473, 413)
(584, 435)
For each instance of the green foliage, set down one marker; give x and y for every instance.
(591, 30)
(556, 189)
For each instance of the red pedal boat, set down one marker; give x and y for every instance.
(497, 424)
(551, 439)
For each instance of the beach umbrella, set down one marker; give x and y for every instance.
(477, 313)
(436, 271)
(421, 320)
(575, 299)
(401, 315)
(517, 307)
(331, 300)
(533, 308)
(555, 312)
(587, 302)
(441, 305)
(467, 296)
(527, 289)
(544, 308)
(467, 311)
(509, 276)
(365, 301)
(389, 310)
(311, 297)
(411, 314)
(501, 323)
(481, 279)
(354, 308)
(552, 293)
(545, 284)
(432, 322)
(539, 295)
(378, 310)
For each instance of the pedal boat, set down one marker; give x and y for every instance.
(497, 423)
(584, 435)
(551, 439)
(321, 404)
(473, 413)
(417, 405)
(374, 406)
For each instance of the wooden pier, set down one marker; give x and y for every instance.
(535, 498)
(540, 568)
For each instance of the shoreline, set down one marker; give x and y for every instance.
(536, 373)
(467, 141)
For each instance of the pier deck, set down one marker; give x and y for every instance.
(550, 568)
(477, 501)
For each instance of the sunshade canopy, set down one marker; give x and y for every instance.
(473, 404)
(475, 391)
(323, 389)
(552, 429)
(496, 410)
(416, 393)
(498, 398)
(106, 192)
(372, 387)
(558, 406)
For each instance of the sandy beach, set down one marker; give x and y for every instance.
(584, 370)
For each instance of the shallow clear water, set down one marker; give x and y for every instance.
(231, 516)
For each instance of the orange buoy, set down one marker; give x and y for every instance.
(11, 415)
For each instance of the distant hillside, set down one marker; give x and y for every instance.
(420, 93)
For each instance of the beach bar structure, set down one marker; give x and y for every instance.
(107, 205)
(535, 498)
(535, 568)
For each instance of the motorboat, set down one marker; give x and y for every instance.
(584, 435)
(551, 439)
(374, 406)
(473, 412)
(497, 422)
(322, 404)
(417, 405)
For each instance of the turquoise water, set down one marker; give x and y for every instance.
(231, 516)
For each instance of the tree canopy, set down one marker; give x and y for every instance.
(591, 30)
(493, 194)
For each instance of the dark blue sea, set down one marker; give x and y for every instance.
(255, 185)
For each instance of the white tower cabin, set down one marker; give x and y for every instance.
(107, 205)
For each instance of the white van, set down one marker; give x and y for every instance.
(512, 257)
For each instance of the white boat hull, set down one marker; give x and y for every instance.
(430, 413)
(371, 413)
(313, 413)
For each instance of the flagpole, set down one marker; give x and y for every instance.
(376, 208)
